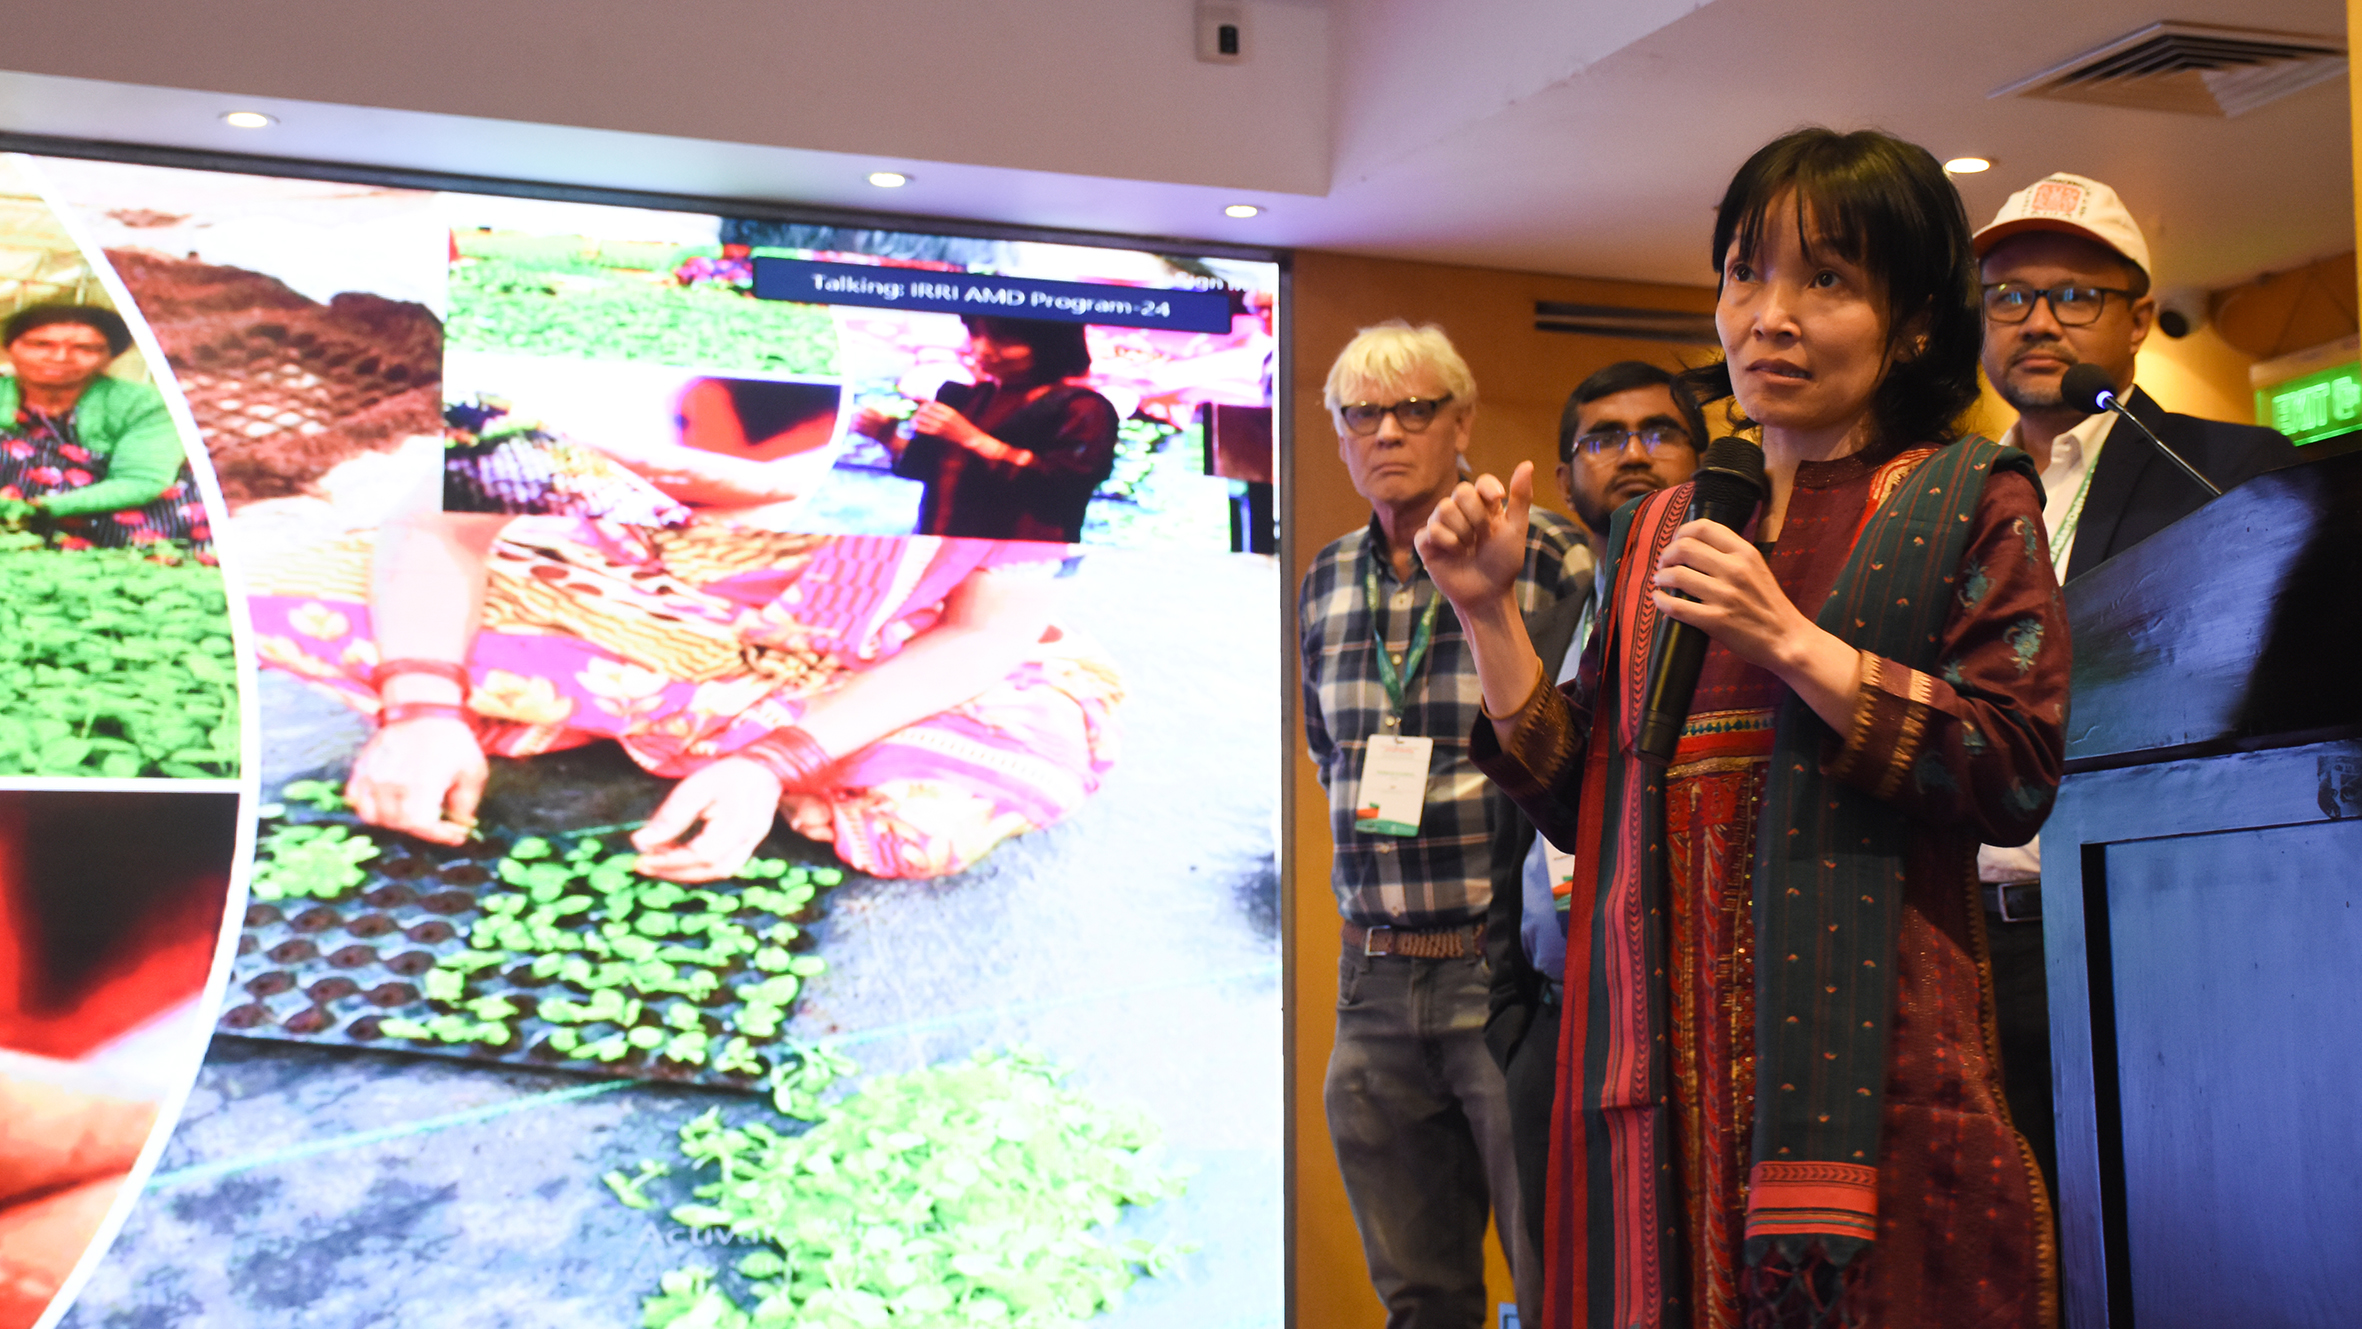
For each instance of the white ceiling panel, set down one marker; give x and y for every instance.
(1588, 137)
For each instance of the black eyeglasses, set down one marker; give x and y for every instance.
(1414, 414)
(2072, 306)
(1653, 438)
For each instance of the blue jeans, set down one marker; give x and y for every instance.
(1419, 1115)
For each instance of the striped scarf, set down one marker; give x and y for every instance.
(1826, 882)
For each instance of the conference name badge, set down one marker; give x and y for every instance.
(1393, 785)
(1562, 872)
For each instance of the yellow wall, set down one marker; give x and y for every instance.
(2200, 375)
(1522, 378)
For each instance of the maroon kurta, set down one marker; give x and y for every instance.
(1964, 1235)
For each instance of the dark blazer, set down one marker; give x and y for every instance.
(1517, 985)
(2136, 492)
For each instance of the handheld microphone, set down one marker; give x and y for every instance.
(1729, 484)
(2086, 388)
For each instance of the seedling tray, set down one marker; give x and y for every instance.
(413, 943)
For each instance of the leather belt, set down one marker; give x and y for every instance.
(1424, 944)
(2013, 902)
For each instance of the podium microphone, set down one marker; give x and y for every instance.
(2086, 388)
(1729, 484)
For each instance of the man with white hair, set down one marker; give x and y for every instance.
(1417, 1109)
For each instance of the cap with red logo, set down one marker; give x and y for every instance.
(2075, 205)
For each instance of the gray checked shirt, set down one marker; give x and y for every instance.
(1443, 876)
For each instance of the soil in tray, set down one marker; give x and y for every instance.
(376, 964)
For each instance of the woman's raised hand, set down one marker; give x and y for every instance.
(421, 777)
(1473, 544)
(945, 423)
(734, 797)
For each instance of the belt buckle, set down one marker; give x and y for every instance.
(1369, 939)
(2003, 893)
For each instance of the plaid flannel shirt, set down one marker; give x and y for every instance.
(1444, 876)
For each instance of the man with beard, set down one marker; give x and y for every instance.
(1627, 430)
(2067, 281)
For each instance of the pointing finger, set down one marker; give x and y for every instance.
(1521, 487)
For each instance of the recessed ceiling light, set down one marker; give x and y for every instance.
(248, 119)
(888, 179)
(1968, 165)
(1242, 210)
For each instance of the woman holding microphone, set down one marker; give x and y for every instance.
(1778, 1100)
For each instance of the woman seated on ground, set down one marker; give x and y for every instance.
(1777, 938)
(98, 457)
(1016, 455)
(908, 700)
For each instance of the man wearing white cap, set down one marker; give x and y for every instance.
(2066, 277)
(2067, 281)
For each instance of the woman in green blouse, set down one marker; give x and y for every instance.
(98, 456)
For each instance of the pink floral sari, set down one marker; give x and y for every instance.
(685, 645)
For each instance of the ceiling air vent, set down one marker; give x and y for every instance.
(2193, 68)
(1673, 325)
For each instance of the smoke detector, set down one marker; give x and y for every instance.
(2192, 68)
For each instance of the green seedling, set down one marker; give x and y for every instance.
(568, 908)
(319, 862)
(796, 1086)
(972, 1193)
(627, 1189)
(114, 665)
(592, 311)
(319, 795)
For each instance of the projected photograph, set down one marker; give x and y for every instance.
(648, 445)
(300, 321)
(665, 799)
(106, 944)
(115, 642)
(1040, 428)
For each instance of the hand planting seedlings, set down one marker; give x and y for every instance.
(673, 981)
(115, 665)
(970, 1193)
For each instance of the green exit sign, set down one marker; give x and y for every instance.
(2319, 405)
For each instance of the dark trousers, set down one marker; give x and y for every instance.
(2021, 1010)
(1532, 1073)
(1417, 1114)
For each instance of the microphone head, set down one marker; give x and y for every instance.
(2082, 386)
(1736, 457)
(1729, 482)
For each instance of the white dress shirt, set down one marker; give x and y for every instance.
(2066, 479)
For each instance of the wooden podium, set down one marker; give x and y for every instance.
(2202, 901)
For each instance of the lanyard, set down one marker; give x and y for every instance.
(1420, 637)
(2073, 516)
